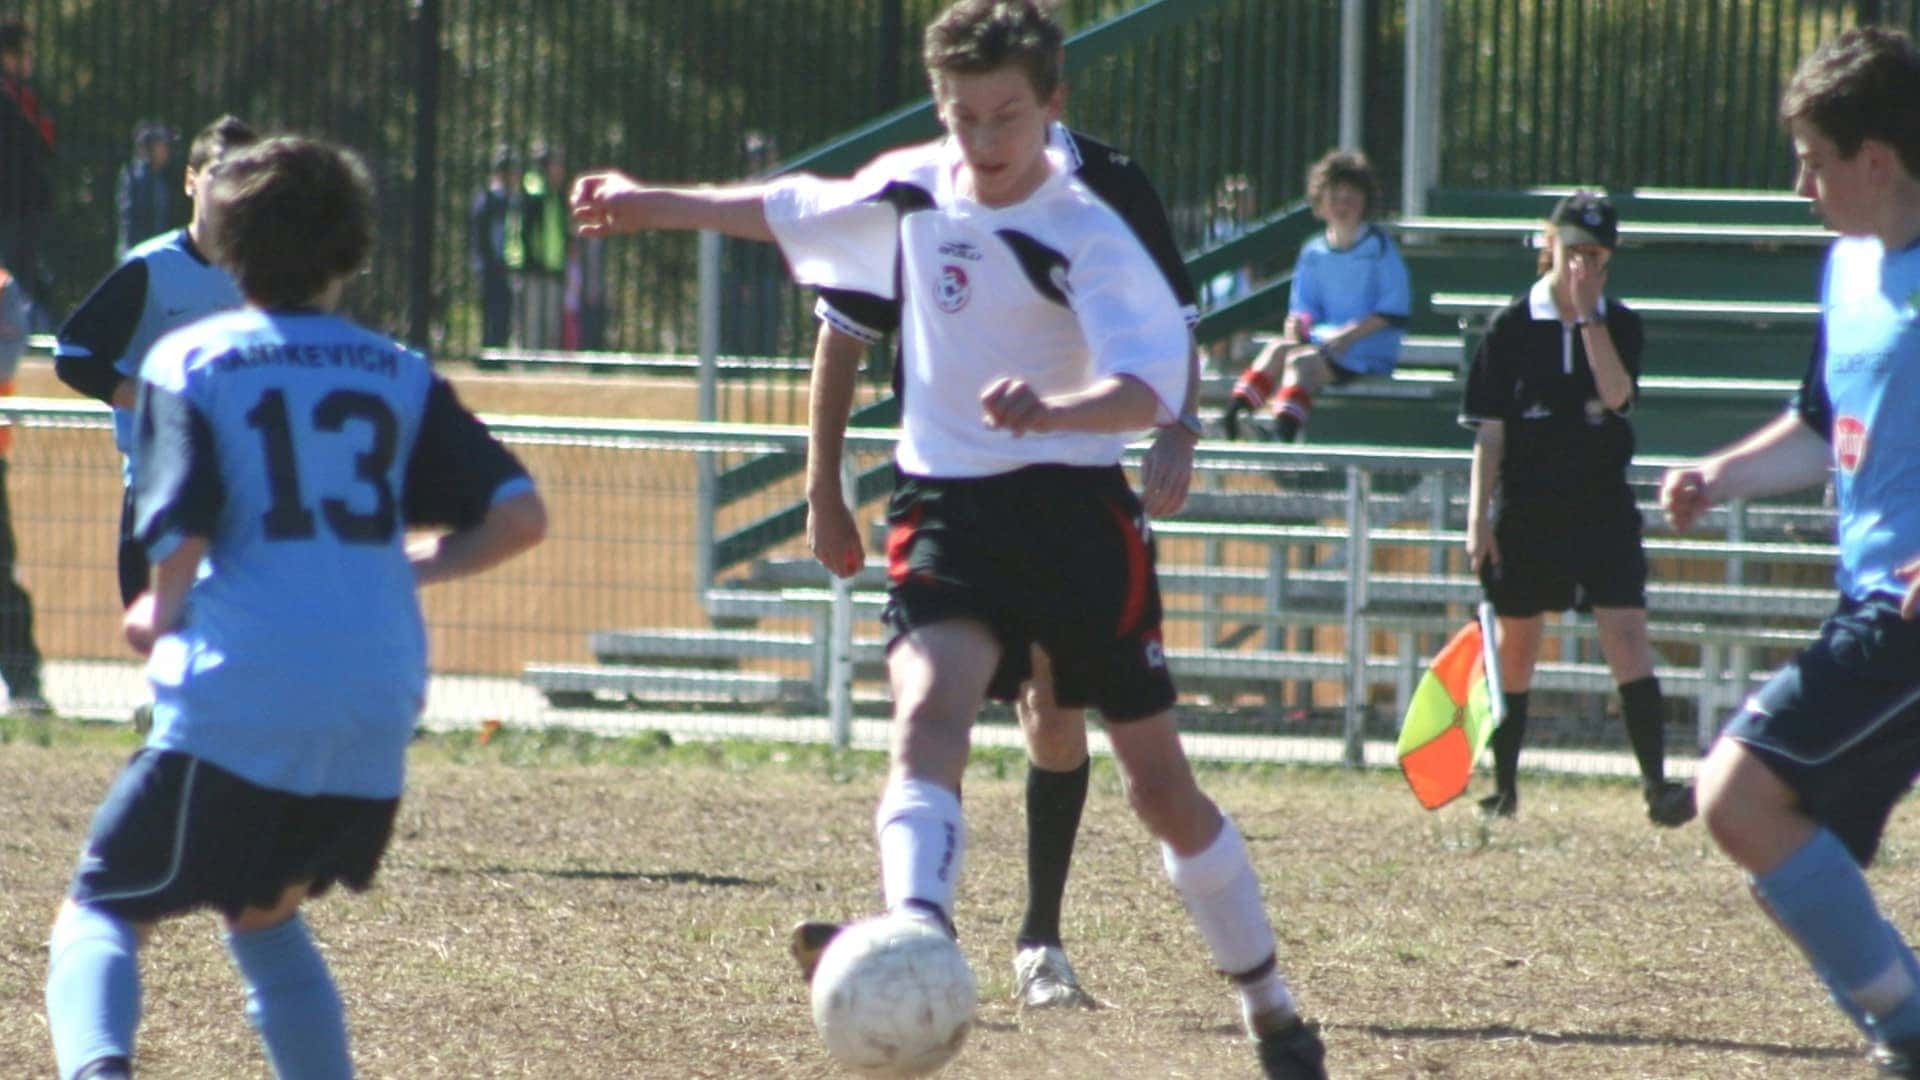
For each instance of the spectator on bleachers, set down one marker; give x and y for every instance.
(143, 193)
(1552, 523)
(1234, 208)
(1349, 307)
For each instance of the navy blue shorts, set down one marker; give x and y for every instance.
(1840, 724)
(176, 833)
(1558, 556)
(1054, 555)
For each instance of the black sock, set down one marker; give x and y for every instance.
(1645, 712)
(1288, 425)
(1054, 802)
(1506, 744)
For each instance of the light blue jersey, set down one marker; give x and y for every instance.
(301, 446)
(163, 284)
(1862, 392)
(1335, 288)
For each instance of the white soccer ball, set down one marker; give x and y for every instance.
(893, 996)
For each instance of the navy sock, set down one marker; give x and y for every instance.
(1054, 804)
(1819, 895)
(292, 1002)
(93, 988)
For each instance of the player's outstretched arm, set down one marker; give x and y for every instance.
(1115, 403)
(510, 527)
(612, 203)
(1784, 455)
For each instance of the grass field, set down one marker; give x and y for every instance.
(559, 906)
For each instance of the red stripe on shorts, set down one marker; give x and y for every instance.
(1134, 608)
(899, 541)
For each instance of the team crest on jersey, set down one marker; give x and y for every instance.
(1849, 443)
(953, 290)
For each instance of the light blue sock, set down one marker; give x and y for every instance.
(93, 987)
(292, 1002)
(1820, 896)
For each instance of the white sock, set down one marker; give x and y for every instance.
(923, 843)
(1223, 898)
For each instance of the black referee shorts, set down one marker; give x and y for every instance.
(1558, 556)
(1054, 555)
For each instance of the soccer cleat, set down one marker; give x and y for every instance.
(1043, 979)
(1669, 804)
(1896, 1058)
(1293, 1052)
(808, 941)
(1500, 804)
(106, 1068)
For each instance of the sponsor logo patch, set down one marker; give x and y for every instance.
(1849, 442)
(953, 290)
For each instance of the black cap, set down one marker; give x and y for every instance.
(1586, 217)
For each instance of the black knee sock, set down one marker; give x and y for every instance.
(1506, 744)
(1645, 713)
(1054, 802)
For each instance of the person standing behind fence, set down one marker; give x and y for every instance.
(536, 248)
(1039, 336)
(143, 195)
(19, 656)
(283, 633)
(164, 283)
(1799, 785)
(1552, 523)
(487, 223)
(1349, 303)
(27, 137)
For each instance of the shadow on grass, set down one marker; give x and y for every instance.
(1606, 1038)
(663, 877)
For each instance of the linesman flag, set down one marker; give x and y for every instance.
(1452, 715)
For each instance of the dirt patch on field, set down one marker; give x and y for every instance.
(628, 920)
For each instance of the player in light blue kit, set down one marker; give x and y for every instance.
(281, 454)
(1799, 786)
(164, 283)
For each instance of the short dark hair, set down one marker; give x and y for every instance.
(974, 37)
(1349, 167)
(1863, 84)
(287, 216)
(14, 35)
(218, 139)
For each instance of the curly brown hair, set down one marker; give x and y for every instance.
(977, 36)
(1349, 167)
(288, 216)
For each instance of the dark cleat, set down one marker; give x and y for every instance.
(808, 941)
(1293, 1052)
(1500, 805)
(1669, 805)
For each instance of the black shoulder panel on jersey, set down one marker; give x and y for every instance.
(456, 465)
(1045, 267)
(905, 198)
(95, 336)
(1121, 183)
(870, 312)
(176, 474)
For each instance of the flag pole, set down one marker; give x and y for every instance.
(1490, 660)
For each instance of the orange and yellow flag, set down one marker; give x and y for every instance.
(1449, 720)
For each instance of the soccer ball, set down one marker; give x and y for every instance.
(893, 996)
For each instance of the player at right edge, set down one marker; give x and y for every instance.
(1799, 785)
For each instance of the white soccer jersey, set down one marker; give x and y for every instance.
(1056, 290)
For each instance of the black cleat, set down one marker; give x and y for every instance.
(1500, 804)
(106, 1068)
(808, 941)
(1669, 805)
(1896, 1058)
(1294, 1052)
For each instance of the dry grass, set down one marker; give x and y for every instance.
(564, 907)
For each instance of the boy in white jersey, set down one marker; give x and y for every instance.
(1058, 765)
(1799, 786)
(1038, 335)
(284, 451)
